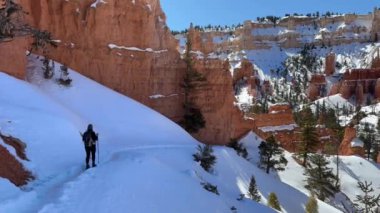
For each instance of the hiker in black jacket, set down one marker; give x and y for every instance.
(89, 139)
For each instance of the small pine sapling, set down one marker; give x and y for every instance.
(311, 205)
(252, 190)
(368, 201)
(211, 188)
(205, 157)
(273, 201)
(47, 68)
(64, 78)
(239, 148)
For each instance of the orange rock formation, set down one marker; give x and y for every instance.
(215, 99)
(10, 167)
(330, 64)
(346, 148)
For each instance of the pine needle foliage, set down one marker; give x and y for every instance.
(205, 157)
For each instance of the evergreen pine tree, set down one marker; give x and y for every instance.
(239, 148)
(211, 188)
(368, 137)
(331, 120)
(309, 142)
(273, 201)
(252, 190)
(12, 25)
(367, 200)
(311, 205)
(271, 155)
(193, 119)
(205, 157)
(47, 69)
(320, 179)
(64, 78)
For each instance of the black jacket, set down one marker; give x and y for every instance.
(89, 138)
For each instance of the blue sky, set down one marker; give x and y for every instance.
(180, 13)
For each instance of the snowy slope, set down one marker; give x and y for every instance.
(146, 160)
(287, 185)
(351, 170)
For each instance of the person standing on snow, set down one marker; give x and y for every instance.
(89, 139)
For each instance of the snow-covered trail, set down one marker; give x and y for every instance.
(44, 192)
(40, 192)
(125, 180)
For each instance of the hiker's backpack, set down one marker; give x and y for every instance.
(88, 140)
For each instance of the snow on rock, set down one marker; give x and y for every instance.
(356, 142)
(269, 59)
(375, 108)
(335, 101)
(271, 31)
(244, 98)
(95, 4)
(149, 7)
(371, 120)
(150, 50)
(157, 96)
(278, 128)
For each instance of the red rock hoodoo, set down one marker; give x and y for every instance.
(358, 82)
(215, 99)
(330, 64)
(316, 87)
(346, 146)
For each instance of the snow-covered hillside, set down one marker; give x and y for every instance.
(146, 160)
(351, 170)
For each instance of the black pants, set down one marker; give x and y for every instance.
(90, 150)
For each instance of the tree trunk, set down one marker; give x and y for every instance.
(268, 164)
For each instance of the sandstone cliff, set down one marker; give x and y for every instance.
(13, 51)
(215, 98)
(126, 46)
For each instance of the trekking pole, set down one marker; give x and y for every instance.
(98, 151)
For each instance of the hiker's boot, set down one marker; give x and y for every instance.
(87, 166)
(93, 165)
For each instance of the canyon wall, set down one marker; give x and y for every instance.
(124, 45)
(293, 32)
(127, 46)
(215, 98)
